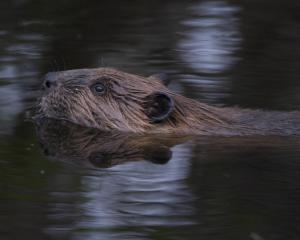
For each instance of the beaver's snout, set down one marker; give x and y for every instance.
(50, 80)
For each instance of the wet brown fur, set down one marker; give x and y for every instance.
(123, 107)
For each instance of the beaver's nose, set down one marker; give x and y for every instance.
(50, 80)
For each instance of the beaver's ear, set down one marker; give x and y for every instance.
(158, 107)
(163, 77)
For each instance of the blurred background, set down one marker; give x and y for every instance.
(227, 52)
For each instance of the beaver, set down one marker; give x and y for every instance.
(109, 99)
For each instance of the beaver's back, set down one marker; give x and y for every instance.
(270, 122)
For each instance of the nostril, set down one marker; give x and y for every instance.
(47, 84)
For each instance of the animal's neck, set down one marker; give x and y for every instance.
(191, 116)
(235, 121)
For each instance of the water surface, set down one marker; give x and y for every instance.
(226, 53)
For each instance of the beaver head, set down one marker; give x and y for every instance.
(109, 99)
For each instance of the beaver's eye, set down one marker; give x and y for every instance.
(98, 88)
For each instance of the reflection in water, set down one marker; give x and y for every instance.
(219, 187)
(209, 45)
(68, 142)
(11, 104)
(17, 66)
(133, 194)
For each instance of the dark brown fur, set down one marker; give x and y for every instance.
(124, 107)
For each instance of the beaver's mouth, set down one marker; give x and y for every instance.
(39, 108)
(49, 107)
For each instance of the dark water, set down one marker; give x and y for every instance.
(60, 182)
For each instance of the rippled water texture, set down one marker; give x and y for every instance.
(60, 181)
